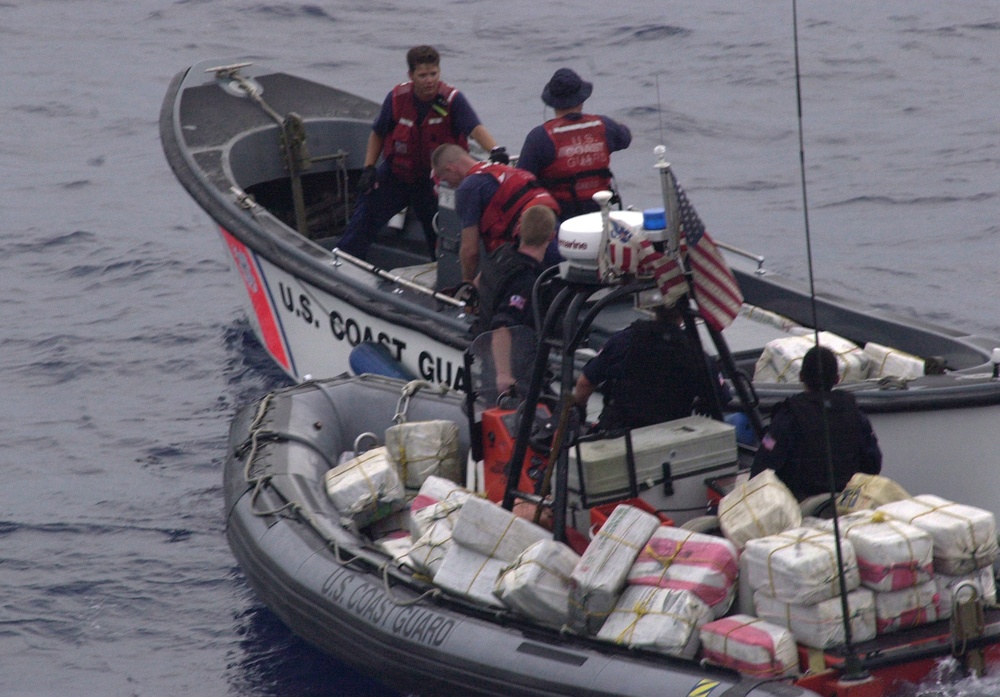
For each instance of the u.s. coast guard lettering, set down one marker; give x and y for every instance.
(353, 331)
(370, 602)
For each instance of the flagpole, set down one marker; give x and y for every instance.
(671, 207)
(741, 383)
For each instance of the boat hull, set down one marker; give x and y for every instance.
(310, 332)
(310, 309)
(332, 590)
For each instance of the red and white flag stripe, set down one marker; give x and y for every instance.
(716, 291)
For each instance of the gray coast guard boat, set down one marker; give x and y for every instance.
(274, 160)
(337, 587)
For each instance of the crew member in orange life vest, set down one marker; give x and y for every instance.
(489, 199)
(416, 117)
(571, 153)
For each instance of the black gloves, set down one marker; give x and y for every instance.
(467, 293)
(367, 180)
(499, 155)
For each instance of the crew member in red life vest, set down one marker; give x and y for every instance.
(489, 199)
(571, 153)
(416, 117)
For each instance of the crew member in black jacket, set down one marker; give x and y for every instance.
(648, 373)
(795, 446)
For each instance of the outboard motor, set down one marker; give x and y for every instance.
(580, 241)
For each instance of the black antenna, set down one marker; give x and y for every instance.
(852, 665)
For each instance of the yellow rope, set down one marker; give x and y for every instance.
(809, 539)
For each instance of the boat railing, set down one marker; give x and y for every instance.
(339, 255)
(743, 253)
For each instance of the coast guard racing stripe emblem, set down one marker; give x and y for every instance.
(703, 688)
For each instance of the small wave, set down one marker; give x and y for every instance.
(55, 241)
(185, 334)
(157, 454)
(58, 372)
(651, 32)
(892, 201)
(76, 184)
(984, 26)
(756, 186)
(275, 661)
(285, 11)
(50, 109)
(250, 367)
(956, 30)
(10, 527)
(136, 267)
(888, 270)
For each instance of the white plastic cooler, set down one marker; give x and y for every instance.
(690, 449)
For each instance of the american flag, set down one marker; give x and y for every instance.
(716, 291)
(715, 288)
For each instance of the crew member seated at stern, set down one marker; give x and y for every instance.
(416, 117)
(571, 153)
(648, 373)
(795, 445)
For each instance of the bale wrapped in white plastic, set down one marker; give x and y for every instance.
(781, 359)
(751, 646)
(601, 573)
(981, 580)
(469, 573)
(821, 625)
(683, 559)
(485, 539)
(435, 490)
(659, 619)
(965, 537)
(429, 550)
(846, 520)
(890, 362)
(910, 607)
(800, 566)
(537, 583)
(396, 545)
(758, 507)
(892, 555)
(494, 531)
(365, 488)
(420, 449)
(868, 492)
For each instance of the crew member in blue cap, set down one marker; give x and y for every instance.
(571, 153)
(416, 117)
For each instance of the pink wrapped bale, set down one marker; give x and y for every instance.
(685, 560)
(751, 646)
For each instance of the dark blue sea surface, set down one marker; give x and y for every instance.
(125, 352)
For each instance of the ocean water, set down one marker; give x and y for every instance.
(124, 350)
